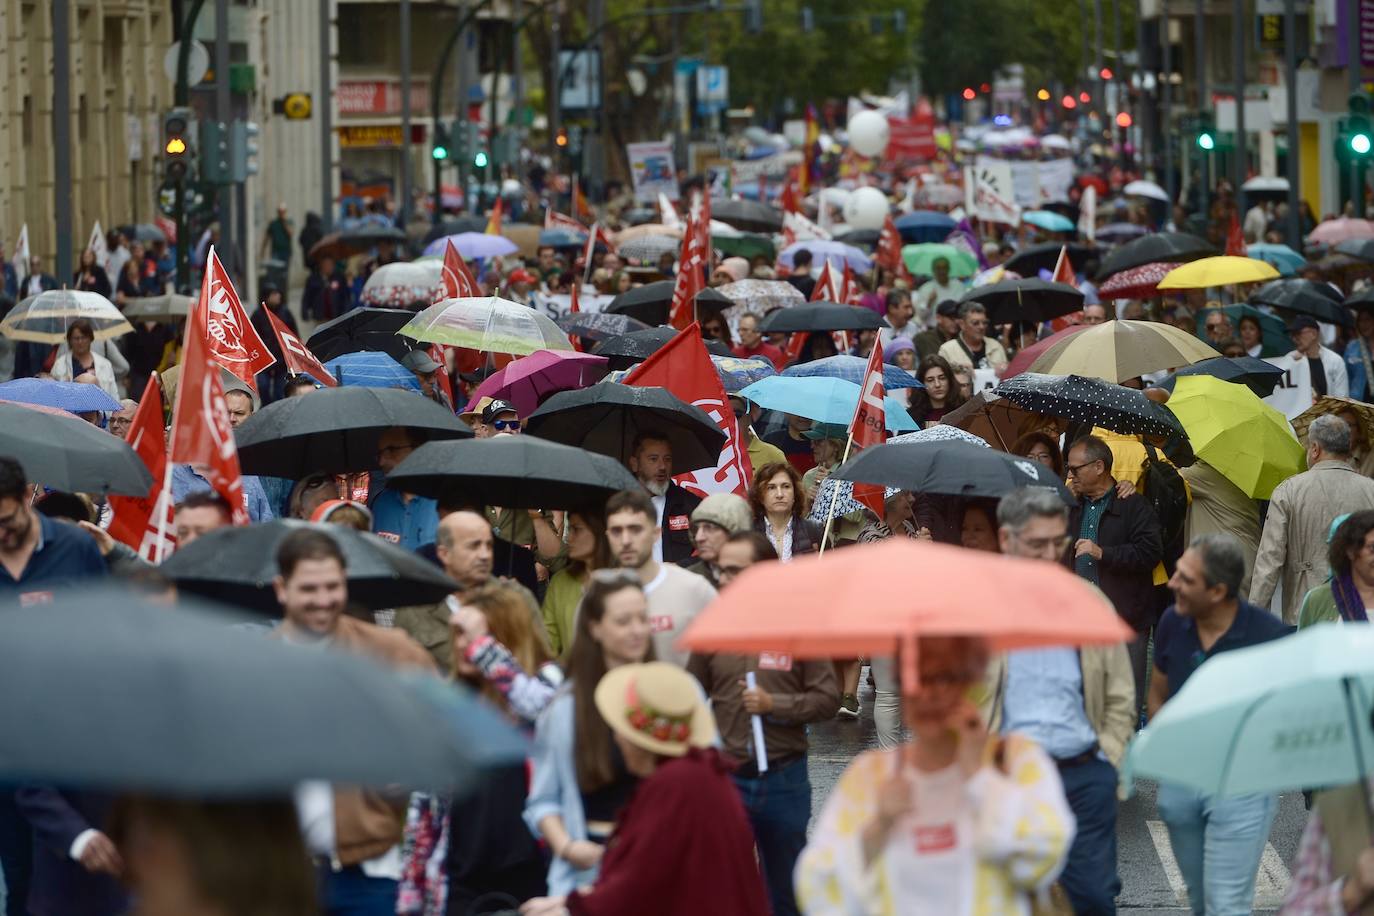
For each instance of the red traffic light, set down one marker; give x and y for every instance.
(1105, 73)
(986, 87)
(1068, 101)
(969, 94)
(1084, 97)
(1123, 119)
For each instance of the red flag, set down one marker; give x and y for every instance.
(889, 250)
(825, 289)
(789, 200)
(1063, 273)
(456, 281)
(494, 223)
(223, 325)
(581, 209)
(690, 279)
(684, 367)
(573, 308)
(850, 290)
(555, 220)
(869, 426)
(296, 354)
(201, 434)
(145, 522)
(599, 234)
(1235, 239)
(436, 353)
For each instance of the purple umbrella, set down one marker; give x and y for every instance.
(838, 253)
(473, 245)
(529, 380)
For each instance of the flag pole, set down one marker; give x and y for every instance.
(835, 496)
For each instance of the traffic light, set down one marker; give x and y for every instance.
(561, 138)
(480, 159)
(176, 143)
(753, 16)
(243, 149)
(214, 153)
(440, 150)
(1123, 119)
(1358, 137)
(1206, 132)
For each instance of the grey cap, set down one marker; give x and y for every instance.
(419, 361)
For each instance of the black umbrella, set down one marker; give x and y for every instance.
(1033, 300)
(1028, 262)
(235, 565)
(518, 472)
(1091, 401)
(650, 303)
(1259, 376)
(336, 430)
(820, 316)
(607, 418)
(627, 349)
(749, 215)
(949, 467)
(349, 242)
(1362, 249)
(138, 697)
(860, 238)
(1304, 297)
(1361, 300)
(598, 326)
(1169, 247)
(67, 453)
(362, 329)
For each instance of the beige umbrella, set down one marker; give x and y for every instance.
(647, 229)
(1119, 350)
(1334, 404)
(525, 235)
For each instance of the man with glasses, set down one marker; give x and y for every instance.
(1116, 543)
(1218, 327)
(1078, 704)
(123, 418)
(752, 345)
(972, 348)
(714, 520)
(500, 416)
(399, 517)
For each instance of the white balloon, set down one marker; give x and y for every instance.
(868, 133)
(866, 208)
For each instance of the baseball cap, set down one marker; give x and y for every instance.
(496, 408)
(419, 361)
(1300, 322)
(520, 275)
(949, 308)
(828, 431)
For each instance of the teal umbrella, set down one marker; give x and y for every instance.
(825, 400)
(1289, 714)
(920, 258)
(1049, 221)
(1273, 332)
(1285, 259)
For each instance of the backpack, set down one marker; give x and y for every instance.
(1166, 492)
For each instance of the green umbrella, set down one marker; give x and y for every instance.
(1230, 428)
(747, 245)
(1273, 332)
(919, 258)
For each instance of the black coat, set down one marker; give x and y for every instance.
(677, 523)
(1130, 539)
(806, 535)
(61, 886)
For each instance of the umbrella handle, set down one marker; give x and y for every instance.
(910, 677)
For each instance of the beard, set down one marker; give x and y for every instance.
(656, 487)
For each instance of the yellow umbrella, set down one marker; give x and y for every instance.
(1222, 270)
(1247, 441)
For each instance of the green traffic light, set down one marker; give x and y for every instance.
(1206, 141)
(440, 152)
(480, 160)
(1360, 144)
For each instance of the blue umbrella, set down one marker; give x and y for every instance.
(1049, 220)
(78, 397)
(737, 373)
(1285, 259)
(562, 238)
(473, 245)
(851, 369)
(924, 226)
(837, 253)
(371, 369)
(825, 400)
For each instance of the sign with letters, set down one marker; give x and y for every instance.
(1293, 394)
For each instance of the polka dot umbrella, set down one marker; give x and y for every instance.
(1090, 401)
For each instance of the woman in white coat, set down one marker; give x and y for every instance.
(80, 359)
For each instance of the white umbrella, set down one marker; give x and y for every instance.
(45, 318)
(403, 284)
(488, 324)
(1145, 189)
(1263, 183)
(1055, 141)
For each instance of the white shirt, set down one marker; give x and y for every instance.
(887, 333)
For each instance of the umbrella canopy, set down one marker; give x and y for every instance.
(562, 238)
(140, 698)
(1334, 404)
(336, 430)
(1172, 247)
(367, 369)
(1360, 249)
(924, 226)
(851, 369)
(455, 226)
(1259, 376)
(866, 239)
(1280, 716)
(737, 372)
(1049, 221)
(148, 233)
(950, 468)
(748, 245)
(625, 350)
(1025, 357)
(489, 324)
(825, 400)
(527, 381)
(349, 242)
(648, 249)
(1031, 260)
(1148, 189)
(1341, 230)
(1030, 300)
(77, 397)
(1120, 233)
(1136, 282)
(1000, 422)
(67, 453)
(518, 472)
(920, 259)
(45, 318)
(1247, 441)
(474, 245)
(362, 329)
(403, 284)
(837, 253)
(760, 297)
(1090, 400)
(820, 316)
(607, 419)
(1304, 297)
(651, 302)
(749, 215)
(644, 231)
(598, 325)
(1285, 260)
(1221, 270)
(236, 565)
(1120, 350)
(810, 608)
(1273, 332)
(167, 309)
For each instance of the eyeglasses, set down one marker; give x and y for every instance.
(1073, 469)
(505, 424)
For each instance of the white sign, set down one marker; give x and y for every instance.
(993, 195)
(749, 171)
(197, 63)
(1294, 392)
(1087, 213)
(652, 170)
(579, 83)
(556, 304)
(713, 89)
(983, 379)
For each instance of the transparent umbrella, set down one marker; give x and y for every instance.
(44, 318)
(490, 324)
(403, 284)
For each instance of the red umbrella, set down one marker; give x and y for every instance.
(1023, 359)
(1135, 283)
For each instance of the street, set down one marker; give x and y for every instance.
(1151, 883)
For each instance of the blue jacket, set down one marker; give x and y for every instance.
(554, 789)
(1354, 368)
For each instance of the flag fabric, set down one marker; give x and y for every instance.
(1087, 213)
(97, 244)
(456, 280)
(599, 235)
(826, 289)
(145, 522)
(888, 254)
(20, 260)
(555, 220)
(667, 213)
(789, 200)
(964, 237)
(689, 279)
(869, 426)
(1063, 273)
(589, 251)
(437, 353)
(296, 354)
(1235, 239)
(494, 223)
(811, 150)
(220, 321)
(684, 367)
(803, 229)
(574, 307)
(850, 290)
(581, 208)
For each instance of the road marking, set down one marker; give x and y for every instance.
(1271, 883)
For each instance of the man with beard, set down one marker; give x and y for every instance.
(651, 461)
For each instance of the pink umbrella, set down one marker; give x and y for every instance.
(527, 381)
(1338, 230)
(1135, 283)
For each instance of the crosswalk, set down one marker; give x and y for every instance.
(1271, 884)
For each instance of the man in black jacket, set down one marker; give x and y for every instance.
(1117, 543)
(651, 461)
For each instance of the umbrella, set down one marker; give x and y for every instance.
(1259, 376)
(1247, 441)
(860, 238)
(1320, 300)
(598, 325)
(346, 244)
(66, 452)
(1118, 233)
(236, 565)
(1175, 247)
(140, 698)
(1092, 401)
(488, 324)
(76, 397)
(1031, 260)
(362, 329)
(648, 249)
(920, 259)
(1334, 404)
(647, 230)
(367, 369)
(1362, 249)
(751, 216)
(562, 238)
(1283, 715)
(148, 233)
(828, 503)
(1136, 282)
(403, 284)
(1264, 185)
(607, 419)
(825, 400)
(1221, 270)
(737, 372)
(747, 245)
(530, 379)
(44, 318)
(1120, 350)
(924, 226)
(1340, 230)
(950, 468)
(650, 303)
(820, 316)
(625, 350)
(1048, 220)
(1032, 300)
(335, 430)
(517, 472)
(455, 226)
(474, 245)
(1000, 422)
(758, 297)
(1274, 339)
(168, 308)
(851, 369)
(1139, 188)
(837, 253)
(1285, 259)
(1023, 359)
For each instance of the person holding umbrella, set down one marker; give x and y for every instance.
(402, 518)
(81, 359)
